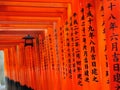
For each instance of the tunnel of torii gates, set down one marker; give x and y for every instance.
(76, 44)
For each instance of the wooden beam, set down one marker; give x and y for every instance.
(29, 19)
(24, 26)
(11, 42)
(30, 9)
(21, 22)
(17, 33)
(31, 14)
(34, 4)
(2, 47)
(42, 1)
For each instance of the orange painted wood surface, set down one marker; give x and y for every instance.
(76, 45)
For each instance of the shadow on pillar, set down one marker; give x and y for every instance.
(12, 85)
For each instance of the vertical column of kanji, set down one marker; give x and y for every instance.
(42, 65)
(112, 25)
(41, 61)
(49, 59)
(39, 66)
(62, 60)
(59, 32)
(84, 46)
(57, 71)
(35, 56)
(57, 58)
(67, 52)
(38, 62)
(90, 22)
(52, 56)
(77, 45)
(38, 51)
(76, 63)
(102, 45)
(46, 50)
(46, 58)
(46, 74)
(35, 60)
(71, 53)
(49, 48)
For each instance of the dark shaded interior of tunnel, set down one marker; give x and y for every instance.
(13, 85)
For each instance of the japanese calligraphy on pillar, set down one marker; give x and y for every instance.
(112, 17)
(51, 50)
(84, 46)
(104, 39)
(92, 43)
(56, 49)
(77, 62)
(68, 55)
(62, 51)
(67, 50)
(102, 45)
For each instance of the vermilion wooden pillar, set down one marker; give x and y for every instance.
(102, 45)
(112, 26)
(6, 63)
(92, 46)
(68, 56)
(21, 62)
(61, 56)
(84, 46)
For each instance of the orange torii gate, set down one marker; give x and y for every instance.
(79, 52)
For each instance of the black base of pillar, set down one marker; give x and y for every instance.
(12, 85)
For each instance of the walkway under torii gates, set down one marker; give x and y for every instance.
(76, 44)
